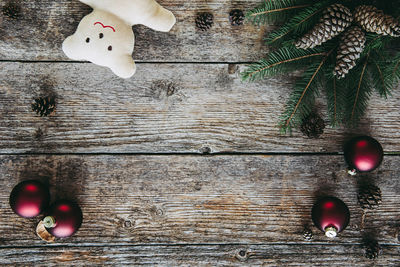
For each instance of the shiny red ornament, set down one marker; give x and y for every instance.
(29, 198)
(63, 218)
(331, 215)
(363, 154)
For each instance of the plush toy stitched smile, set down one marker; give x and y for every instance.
(105, 37)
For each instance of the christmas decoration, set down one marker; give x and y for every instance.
(331, 42)
(334, 20)
(350, 48)
(105, 36)
(204, 21)
(371, 247)
(29, 198)
(331, 215)
(44, 106)
(236, 17)
(12, 10)
(43, 233)
(313, 125)
(363, 154)
(373, 20)
(307, 234)
(369, 196)
(63, 218)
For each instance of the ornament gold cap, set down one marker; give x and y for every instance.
(331, 231)
(49, 222)
(352, 172)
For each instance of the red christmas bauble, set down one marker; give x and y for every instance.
(363, 154)
(29, 198)
(63, 218)
(331, 215)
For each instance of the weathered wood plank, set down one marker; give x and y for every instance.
(164, 108)
(196, 199)
(195, 255)
(45, 24)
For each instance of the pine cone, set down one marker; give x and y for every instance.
(236, 17)
(372, 248)
(335, 19)
(12, 10)
(313, 125)
(351, 45)
(204, 21)
(374, 20)
(369, 196)
(307, 234)
(44, 106)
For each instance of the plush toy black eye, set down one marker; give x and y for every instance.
(110, 48)
(87, 40)
(101, 35)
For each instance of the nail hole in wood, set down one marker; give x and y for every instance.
(242, 255)
(205, 150)
(127, 224)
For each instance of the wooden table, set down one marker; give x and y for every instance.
(183, 164)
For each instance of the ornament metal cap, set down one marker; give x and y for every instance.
(352, 172)
(331, 231)
(49, 222)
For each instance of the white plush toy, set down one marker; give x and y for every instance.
(105, 36)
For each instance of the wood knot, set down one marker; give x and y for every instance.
(128, 224)
(232, 68)
(205, 150)
(242, 255)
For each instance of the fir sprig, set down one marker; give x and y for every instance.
(377, 69)
(273, 10)
(297, 24)
(283, 60)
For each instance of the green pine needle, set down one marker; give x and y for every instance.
(358, 93)
(283, 60)
(273, 10)
(300, 23)
(302, 98)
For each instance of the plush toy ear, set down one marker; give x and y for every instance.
(124, 66)
(162, 20)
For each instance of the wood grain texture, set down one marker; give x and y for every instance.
(197, 199)
(44, 25)
(178, 108)
(194, 255)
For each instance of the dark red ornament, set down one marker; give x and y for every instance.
(331, 215)
(29, 198)
(363, 154)
(63, 218)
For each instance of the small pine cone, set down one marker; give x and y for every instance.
(374, 20)
(204, 21)
(351, 45)
(236, 17)
(369, 196)
(12, 10)
(372, 248)
(307, 234)
(312, 125)
(335, 19)
(44, 106)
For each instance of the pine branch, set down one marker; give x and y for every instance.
(335, 95)
(273, 10)
(358, 93)
(380, 78)
(283, 60)
(303, 96)
(299, 23)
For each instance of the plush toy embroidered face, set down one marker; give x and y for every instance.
(105, 36)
